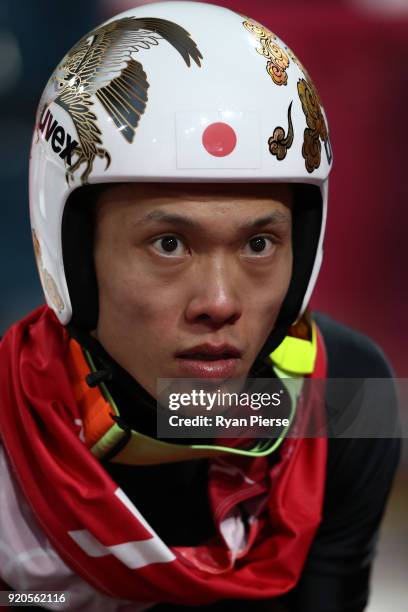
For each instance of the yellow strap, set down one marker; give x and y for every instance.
(296, 356)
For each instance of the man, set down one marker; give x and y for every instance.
(178, 194)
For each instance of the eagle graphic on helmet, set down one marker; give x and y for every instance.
(101, 65)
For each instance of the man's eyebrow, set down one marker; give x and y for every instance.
(173, 218)
(274, 218)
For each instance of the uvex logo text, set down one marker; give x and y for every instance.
(61, 141)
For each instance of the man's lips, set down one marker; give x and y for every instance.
(209, 361)
(206, 351)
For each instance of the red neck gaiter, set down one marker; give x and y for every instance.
(97, 530)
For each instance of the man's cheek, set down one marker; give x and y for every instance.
(156, 308)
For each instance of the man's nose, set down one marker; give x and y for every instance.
(215, 299)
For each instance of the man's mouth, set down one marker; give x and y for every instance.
(209, 361)
(207, 356)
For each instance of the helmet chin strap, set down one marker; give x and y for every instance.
(133, 440)
(140, 449)
(117, 384)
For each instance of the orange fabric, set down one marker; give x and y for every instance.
(95, 410)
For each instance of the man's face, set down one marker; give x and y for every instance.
(191, 277)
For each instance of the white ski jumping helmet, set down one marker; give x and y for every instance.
(174, 92)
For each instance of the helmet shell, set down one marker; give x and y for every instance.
(172, 92)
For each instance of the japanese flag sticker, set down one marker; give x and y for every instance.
(217, 139)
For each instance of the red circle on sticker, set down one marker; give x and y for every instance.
(219, 139)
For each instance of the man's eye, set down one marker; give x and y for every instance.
(260, 246)
(170, 246)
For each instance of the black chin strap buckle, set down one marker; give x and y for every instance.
(120, 422)
(120, 445)
(93, 379)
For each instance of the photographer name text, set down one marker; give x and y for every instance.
(221, 421)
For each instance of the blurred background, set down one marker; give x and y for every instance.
(357, 54)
